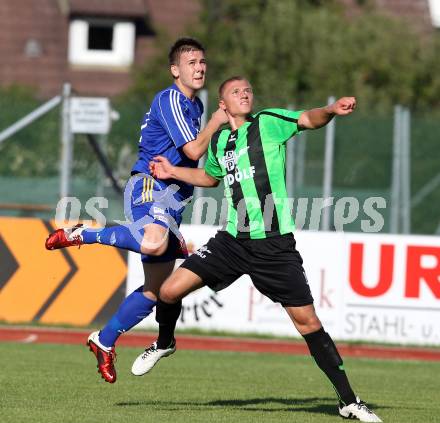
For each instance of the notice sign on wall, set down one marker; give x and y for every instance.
(90, 115)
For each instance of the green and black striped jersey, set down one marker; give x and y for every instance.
(252, 163)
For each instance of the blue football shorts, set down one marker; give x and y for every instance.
(154, 202)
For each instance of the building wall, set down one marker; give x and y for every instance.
(417, 12)
(45, 24)
(24, 20)
(42, 27)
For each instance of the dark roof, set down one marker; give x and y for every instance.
(126, 8)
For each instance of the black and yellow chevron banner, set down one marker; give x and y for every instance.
(71, 286)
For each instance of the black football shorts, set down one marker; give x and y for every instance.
(273, 264)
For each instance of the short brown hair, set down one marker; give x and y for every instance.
(227, 81)
(182, 45)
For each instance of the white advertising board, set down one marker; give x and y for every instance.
(370, 287)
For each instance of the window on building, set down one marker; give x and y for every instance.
(100, 37)
(101, 42)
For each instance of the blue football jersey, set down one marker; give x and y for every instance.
(172, 121)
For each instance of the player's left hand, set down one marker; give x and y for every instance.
(343, 106)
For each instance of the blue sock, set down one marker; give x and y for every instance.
(132, 310)
(117, 236)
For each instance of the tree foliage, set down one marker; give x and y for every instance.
(34, 150)
(298, 51)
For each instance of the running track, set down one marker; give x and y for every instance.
(210, 343)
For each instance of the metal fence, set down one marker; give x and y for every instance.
(367, 155)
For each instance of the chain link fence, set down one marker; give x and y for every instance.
(362, 167)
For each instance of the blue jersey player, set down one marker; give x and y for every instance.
(171, 128)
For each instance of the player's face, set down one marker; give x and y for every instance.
(191, 69)
(237, 98)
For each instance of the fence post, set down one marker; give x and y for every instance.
(406, 171)
(300, 156)
(66, 144)
(290, 171)
(328, 168)
(102, 142)
(290, 163)
(396, 171)
(198, 191)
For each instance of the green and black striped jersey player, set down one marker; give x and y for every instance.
(258, 240)
(251, 161)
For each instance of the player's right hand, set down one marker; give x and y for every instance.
(161, 168)
(220, 117)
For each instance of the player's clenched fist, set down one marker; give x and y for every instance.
(343, 106)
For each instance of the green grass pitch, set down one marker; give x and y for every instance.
(58, 383)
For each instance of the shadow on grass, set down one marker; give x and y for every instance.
(311, 405)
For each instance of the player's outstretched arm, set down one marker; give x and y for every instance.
(161, 168)
(197, 148)
(316, 118)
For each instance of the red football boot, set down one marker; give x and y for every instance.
(106, 357)
(67, 237)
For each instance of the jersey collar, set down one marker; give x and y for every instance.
(175, 87)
